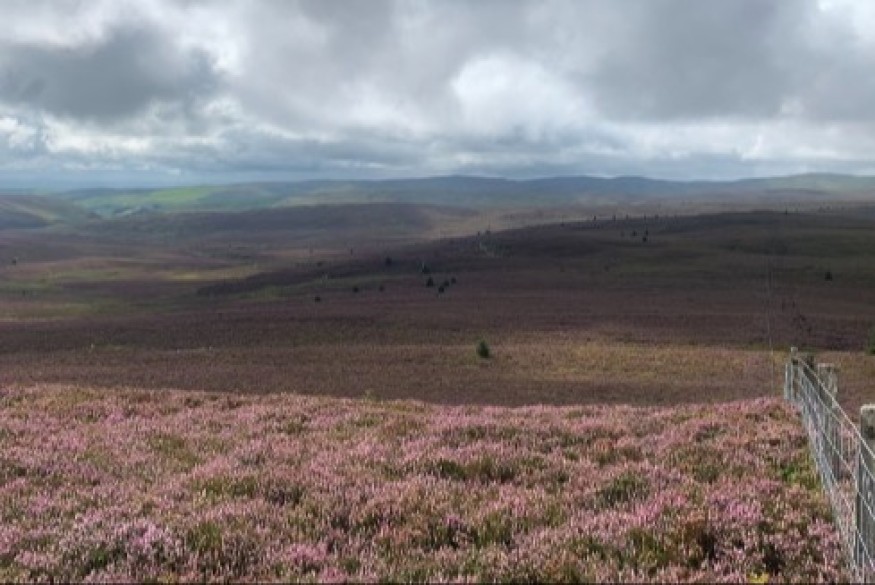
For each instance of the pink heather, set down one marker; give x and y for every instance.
(128, 485)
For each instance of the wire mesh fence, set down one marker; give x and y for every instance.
(843, 453)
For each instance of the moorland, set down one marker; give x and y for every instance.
(236, 349)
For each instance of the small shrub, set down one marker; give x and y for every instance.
(453, 280)
(355, 289)
(381, 288)
(430, 282)
(483, 350)
(828, 275)
(317, 299)
(440, 290)
(388, 261)
(623, 489)
(870, 343)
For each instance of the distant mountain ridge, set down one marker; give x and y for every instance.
(456, 190)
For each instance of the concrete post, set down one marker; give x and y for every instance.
(864, 537)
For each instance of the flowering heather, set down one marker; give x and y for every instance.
(135, 485)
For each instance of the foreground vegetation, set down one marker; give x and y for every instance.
(137, 485)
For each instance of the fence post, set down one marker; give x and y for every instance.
(790, 377)
(828, 391)
(864, 537)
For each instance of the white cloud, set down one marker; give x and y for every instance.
(313, 88)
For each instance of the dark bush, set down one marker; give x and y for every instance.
(388, 261)
(453, 280)
(317, 299)
(440, 290)
(382, 288)
(483, 350)
(355, 289)
(828, 275)
(430, 282)
(870, 343)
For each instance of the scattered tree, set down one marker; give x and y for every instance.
(870, 343)
(430, 282)
(388, 261)
(317, 299)
(355, 289)
(483, 350)
(828, 275)
(453, 280)
(440, 290)
(382, 288)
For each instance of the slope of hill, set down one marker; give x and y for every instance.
(194, 486)
(35, 211)
(465, 191)
(310, 223)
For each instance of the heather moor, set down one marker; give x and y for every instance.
(522, 291)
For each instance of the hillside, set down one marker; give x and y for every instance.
(472, 192)
(35, 211)
(130, 485)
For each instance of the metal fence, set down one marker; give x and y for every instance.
(843, 452)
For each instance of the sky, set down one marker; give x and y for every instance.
(119, 92)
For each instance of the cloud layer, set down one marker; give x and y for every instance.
(216, 91)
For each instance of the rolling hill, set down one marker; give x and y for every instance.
(467, 191)
(36, 211)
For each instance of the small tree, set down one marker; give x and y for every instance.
(430, 282)
(483, 350)
(317, 299)
(870, 343)
(828, 275)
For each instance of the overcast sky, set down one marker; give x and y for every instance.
(160, 91)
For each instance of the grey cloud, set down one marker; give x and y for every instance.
(118, 77)
(672, 87)
(682, 59)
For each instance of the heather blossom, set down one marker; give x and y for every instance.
(100, 485)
